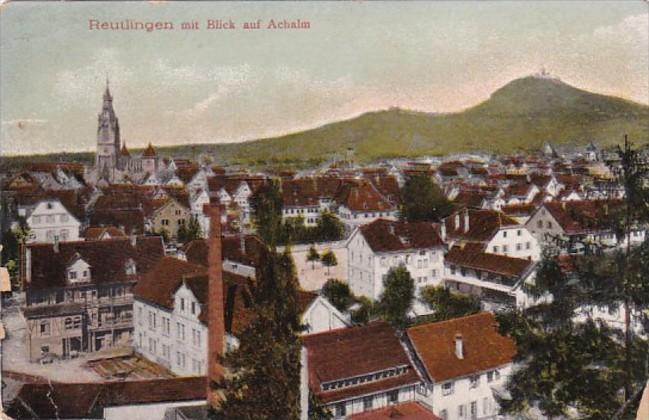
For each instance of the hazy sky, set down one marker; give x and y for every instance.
(174, 87)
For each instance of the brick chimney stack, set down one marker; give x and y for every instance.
(215, 322)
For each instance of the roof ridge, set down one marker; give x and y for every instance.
(446, 321)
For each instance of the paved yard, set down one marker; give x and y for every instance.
(98, 367)
(14, 354)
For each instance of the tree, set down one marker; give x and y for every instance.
(11, 242)
(265, 379)
(317, 410)
(329, 260)
(446, 304)
(398, 294)
(423, 200)
(329, 228)
(364, 311)
(266, 204)
(312, 256)
(338, 293)
(181, 236)
(193, 229)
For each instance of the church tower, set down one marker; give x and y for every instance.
(108, 141)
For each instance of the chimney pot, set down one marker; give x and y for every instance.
(466, 220)
(55, 247)
(459, 346)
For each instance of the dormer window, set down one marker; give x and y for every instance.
(130, 267)
(78, 271)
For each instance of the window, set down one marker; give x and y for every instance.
(473, 410)
(519, 247)
(64, 217)
(452, 269)
(475, 381)
(433, 273)
(393, 397)
(49, 218)
(447, 388)
(496, 374)
(505, 249)
(490, 376)
(519, 232)
(165, 222)
(72, 275)
(443, 414)
(485, 406)
(461, 412)
(36, 219)
(68, 323)
(182, 304)
(504, 234)
(496, 249)
(193, 308)
(340, 410)
(65, 234)
(45, 328)
(539, 224)
(549, 225)
(367, 403)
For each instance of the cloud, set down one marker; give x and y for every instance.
(79, 85)
(632, 30)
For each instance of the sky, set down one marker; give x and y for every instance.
(213, 86)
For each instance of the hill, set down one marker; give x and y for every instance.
(521, 115)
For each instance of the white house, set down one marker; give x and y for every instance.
(50, 221)
(361, 202)
(496, 280)
(375, 248)
(575, 221)
(497, 232)
(168, 311)
(321, 316)
(464, 360)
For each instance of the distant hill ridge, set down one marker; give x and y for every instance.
(522, 115)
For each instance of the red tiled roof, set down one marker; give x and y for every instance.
(483, 224)
(362, 195)
(196, 250)
(161, 282)
(492, 263)
(581, 216)
(96, 232)
(353, 351)
(107, 260)
(484, 347)
(308, 191)
(387, 235)
(87, 400)
(408, 410)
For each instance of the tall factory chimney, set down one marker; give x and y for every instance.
(215, 322)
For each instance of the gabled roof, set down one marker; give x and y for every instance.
(107, 259)
(362, 195)
(483, 224)
(93, 233)
(388, 236)
(353, 351)
(161, 282)
(583, 216)
(196, 251)
(308, 191)
(484, 348)
(491, 263)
